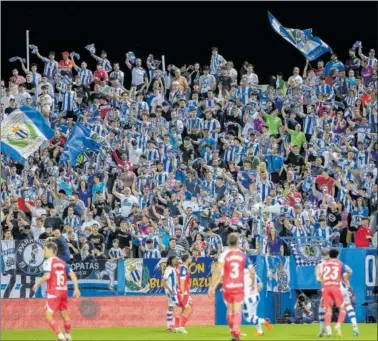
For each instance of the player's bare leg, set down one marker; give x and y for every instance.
(328, 319)
(54, 326)
(184, 318)
(340, 320)
(236, 321)
(177, 318)
(67, 324)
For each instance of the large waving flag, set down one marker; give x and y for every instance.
(78, 143)
(311, 47)
(23, 132)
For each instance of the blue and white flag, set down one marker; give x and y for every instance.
(131, 56)
(79, 142)
(278, 273)
(34, 48)
(73, 54)
(311, 47)
(23, 132)
(13, 59)
(307, 254)
(91, 48)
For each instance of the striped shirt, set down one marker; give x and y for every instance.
(105, 63)
(86, 76)
(151, 254)
(50, 67)
(115, 253)
(216, 64)
(74, 221)
(213, 243)
(244, 93)
(263, 189)
(309, 123)
(118, 75)
(68, 100)
(161, 178)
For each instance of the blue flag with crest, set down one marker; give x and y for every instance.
(311, 47)
(23, 132)
(78, 144)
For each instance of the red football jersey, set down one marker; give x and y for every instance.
(233, 270)
(332, 272)
(185, 275)
(57, 283)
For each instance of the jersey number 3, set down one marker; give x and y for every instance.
(331, 273)
(235, 271)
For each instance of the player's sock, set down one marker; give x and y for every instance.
(61, 336)
(259, 329)
(328, 318)
(230, 320)
(321, 315)
(183, 320)
(352, 316)
(54, 326)
(67, 327)
(341, 317)
(236, 322)
(177, 321)
(169, 318)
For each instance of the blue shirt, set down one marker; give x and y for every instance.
(97, 187)
(274, 162)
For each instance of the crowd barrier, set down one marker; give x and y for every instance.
(133, 280)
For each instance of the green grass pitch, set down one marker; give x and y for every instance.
(279, 332)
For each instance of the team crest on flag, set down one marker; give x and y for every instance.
(309, 254)
(23, 132)
(136, 276)
(278, 273)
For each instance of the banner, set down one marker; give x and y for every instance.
(145, 275)
(22, 266)
(307, 254)
(23, 132)
(311, 47)
(278, 274)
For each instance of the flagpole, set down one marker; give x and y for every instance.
(27, 49)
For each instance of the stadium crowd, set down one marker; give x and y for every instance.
(188, 152)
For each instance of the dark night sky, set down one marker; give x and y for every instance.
(185, 31)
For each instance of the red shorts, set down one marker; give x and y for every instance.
(56, 304)
(185, 301)
(234, 297)
(332, 295)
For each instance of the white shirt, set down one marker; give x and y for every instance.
(134, 155)
(21, 98)
(88, 223)
(5, 100)
(297, 79)
(50, 91)
(138, 75)
(37, 232)
(248, 292)
(171, 278)
(252, 78)
(127, 204)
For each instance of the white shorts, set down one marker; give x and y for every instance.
(172, 300)
(251, 303)
(346, 296)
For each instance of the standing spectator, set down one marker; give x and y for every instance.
(362, 235)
